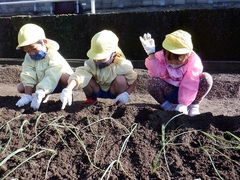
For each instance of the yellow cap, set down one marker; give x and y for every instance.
(29, 34)
(103, 44)
(178, 42)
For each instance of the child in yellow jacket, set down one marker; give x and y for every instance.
(107, 73)
(44, 70)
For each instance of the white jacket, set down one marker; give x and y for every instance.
(45, 73)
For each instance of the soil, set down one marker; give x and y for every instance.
(137, 141)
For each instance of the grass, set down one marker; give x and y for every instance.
(28, 147)
(81, 142)
(8, 130)
(218, 143)
(11, 155)
(212, 162)
(108, 171)
(133, 127)
(67, 133)
(21, 130)
(118, 161)
(26, 160)
(164, 141)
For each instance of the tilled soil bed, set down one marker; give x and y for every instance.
(137, 141)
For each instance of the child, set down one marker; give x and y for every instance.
(177, 80)
(107, 74)
(44, 70)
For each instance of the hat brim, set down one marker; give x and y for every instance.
(25, 43)
(50, 43)
(99, 56)
(175, 50)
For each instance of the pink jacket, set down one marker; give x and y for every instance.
(186, 77)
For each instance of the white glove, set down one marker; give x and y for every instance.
(182, 108)
(66, 97)
(24, 100)
(121, 99)
(37, 99)
(148, 43)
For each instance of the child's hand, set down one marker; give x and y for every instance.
(37, 99)
(182, 108)
(121, 99)
(66, 97)
(24, 100)
(148, 43)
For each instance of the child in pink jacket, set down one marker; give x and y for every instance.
(177, 80)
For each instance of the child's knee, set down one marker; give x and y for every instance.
(155, 84)
(207, 79)
(20, 88)
(119, 85)
(120, 81)
(64, 79)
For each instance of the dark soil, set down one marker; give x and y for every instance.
(138, 141)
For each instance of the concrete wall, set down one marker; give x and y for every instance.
(48, 8)
(18, 9)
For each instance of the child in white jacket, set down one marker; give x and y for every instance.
(177, 80)
(44, 70)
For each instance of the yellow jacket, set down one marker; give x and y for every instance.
(45, 73)
(105, 76)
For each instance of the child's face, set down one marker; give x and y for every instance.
(100, 60)
(176, 59)
(34, 48)
(101, 63)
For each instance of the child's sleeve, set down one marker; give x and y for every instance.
(125, 68)
(188, 87)
(28, 75)
(156, 67)
(53, 72)
(51, 78)
(83, 74)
